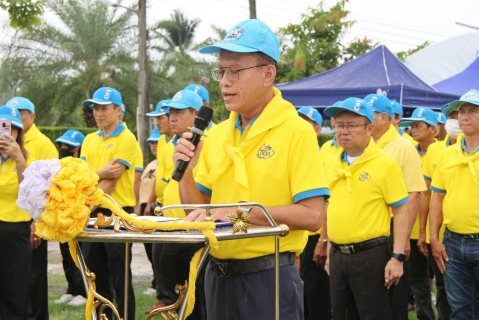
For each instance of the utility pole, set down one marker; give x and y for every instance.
(141, 122)
(252, 9)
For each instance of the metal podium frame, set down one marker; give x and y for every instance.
(192, 236)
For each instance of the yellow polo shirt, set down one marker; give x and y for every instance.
(330, 148)
(98, 151)
(9, 190)
(361, 194)
(160, 184)
(456, 176)
(39, 145)
(409, 138)
(273, 161)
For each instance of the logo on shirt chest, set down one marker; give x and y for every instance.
(364, 176)
(265, 152)
(109, 146)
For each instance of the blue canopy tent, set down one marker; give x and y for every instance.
(378, 71)
(462, 82)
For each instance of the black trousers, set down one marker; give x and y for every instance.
(420, 283)
(175, 267)
(149, 252)
(107, 261)
(15, 260)
(317, 297)
(38, 287)
(357, 284)
(72, 273)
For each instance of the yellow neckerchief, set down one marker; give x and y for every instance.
(464, 160)
(372, 151)
(390, 135)
(275, 113)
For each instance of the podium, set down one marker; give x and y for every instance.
(123, 233)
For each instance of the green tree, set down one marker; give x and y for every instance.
(314, 45)
(404, 54)
(75, 57)
(23, 14)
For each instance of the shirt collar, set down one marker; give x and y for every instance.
(238, 123)
(334, 142)
(175, 140)
(119, 129)
(463, 146)
(209, 125)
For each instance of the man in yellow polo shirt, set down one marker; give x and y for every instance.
(364, 183)
(398, 113)
(41, 148)
(113, 141)
(315, 278)
(387, 138)
(424, 123)
(455, 203)
(263, 153)
(331, 147)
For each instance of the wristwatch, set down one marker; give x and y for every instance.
(323, 241)
(401, 257)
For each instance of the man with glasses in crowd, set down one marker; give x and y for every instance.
(239, 161)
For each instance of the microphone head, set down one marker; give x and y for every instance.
(203, 117)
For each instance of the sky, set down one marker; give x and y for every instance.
(400, 25)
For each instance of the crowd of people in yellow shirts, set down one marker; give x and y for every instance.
(374, 214)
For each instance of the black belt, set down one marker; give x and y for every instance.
(235, 267)
(361, 246)
(464, 236)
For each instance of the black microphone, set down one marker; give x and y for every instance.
(202, 120)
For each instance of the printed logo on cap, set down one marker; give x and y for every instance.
(234, 34)
(371, 102)
(419, 114)
(107, 95)
(178, 96)
(14, 103)
(14, 112)
(357, 106)
(470, 96)
(310, 113)
(73, 135)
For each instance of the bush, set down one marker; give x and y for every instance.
(324, 137)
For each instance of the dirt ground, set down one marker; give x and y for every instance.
(140, 266)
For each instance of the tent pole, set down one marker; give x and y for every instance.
(400, 96)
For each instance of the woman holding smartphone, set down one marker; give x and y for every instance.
(15, 243)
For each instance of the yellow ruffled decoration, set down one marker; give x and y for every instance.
(67, 211)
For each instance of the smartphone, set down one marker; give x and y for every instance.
(5, 127)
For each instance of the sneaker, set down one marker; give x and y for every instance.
(150, 292)
(156, 306)
(77, 301)
(63, 299)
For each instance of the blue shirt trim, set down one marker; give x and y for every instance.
(334, 142)
(83, 158)
(164, 180)
(426, 177)
(127, 165)
(238, 124)
(204, 189)
(175, 140)
(448, 142)
(139, 169)
(463, 145)
(437, 190)
(4, 160)
(401, 132)
(321, 192)
(398, 203)
(209, 125)
(115, 132)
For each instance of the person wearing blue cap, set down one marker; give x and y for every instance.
(424, 125)
(398, 113)
(365, 184)
(441, 133)
(15, 250)
(111, 146)
(388, 138)
(41, 148)
(70, 143)
(201, 91)
(315, 278)
(240, 160)
(455, 205)
(331, 147)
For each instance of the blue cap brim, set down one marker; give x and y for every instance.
(412, 120)
(90, 102)
(14, 121)
(65, 141)
(152, 139)
(333, 111)
(229, 47)
(156, 114)
(179, 105)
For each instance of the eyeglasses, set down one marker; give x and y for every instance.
(232, 73)
(349, 127)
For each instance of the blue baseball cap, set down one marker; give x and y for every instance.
(200, 90)
(337, 103)
(21, 103)
(104, 95)
(397, 108)
(185, 99)
(472, 97)
(422, 114)
(441, 118)
(248, 36)
(354, 105)
(72, 138)
(380, 103)
(155, 136)
(161, 109)
(122, 106)
(12, 114)
(312, 114)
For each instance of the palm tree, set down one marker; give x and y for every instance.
(76, 53)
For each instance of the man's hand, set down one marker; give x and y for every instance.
(422, 245)
(111, 171)
(439, 254)
(393, 272)
(185, 150)
(34, 239)
(221, 214)
(326, 266)
(320, 254)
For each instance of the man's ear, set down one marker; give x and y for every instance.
(269, 75)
